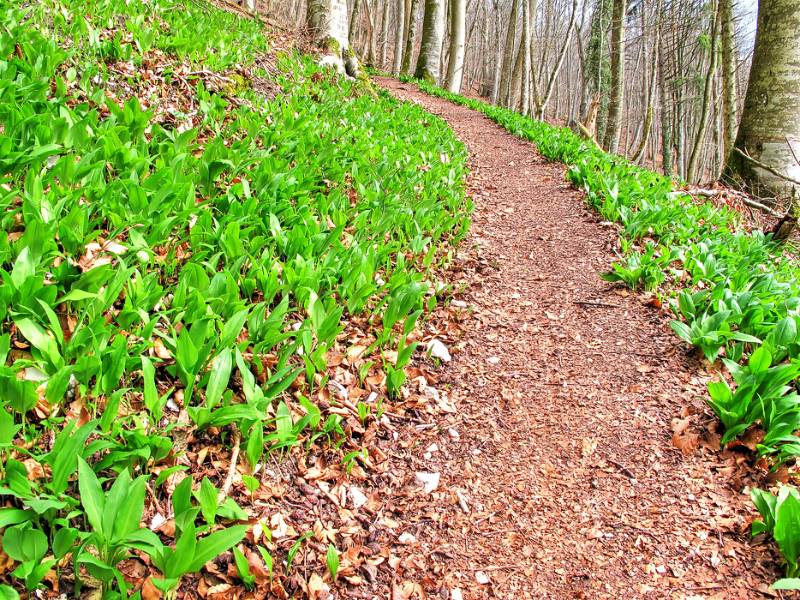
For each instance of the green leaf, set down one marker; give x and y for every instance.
(20, 395)
(786, 584)
(218, 380)
(207, 497)
(243, 568)
(332, 558)
(151, 398)
(232, 328)
(24, 544)
(215, 544)
(92, 497)
(760, 360)
(787, 524)
(39, 339)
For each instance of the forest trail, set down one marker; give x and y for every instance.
(559, 474)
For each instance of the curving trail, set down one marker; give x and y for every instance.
(559, 474)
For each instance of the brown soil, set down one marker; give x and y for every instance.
(581, 461)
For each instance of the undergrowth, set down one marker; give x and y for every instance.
(734, 296)
(177, 263)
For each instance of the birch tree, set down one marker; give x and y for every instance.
(455, 66)
(400, 29)
(770, 127)
(430, 53)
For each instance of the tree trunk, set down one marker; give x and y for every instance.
(729, 92)
(327, 22)
(351, 33)
(559, 61)
(385, 32)
(666, 111)
(525, 52)
(399, 35)
(411, 37)
(432, 35)
(498, 59)
(614, 123)
(597, 67)
(508, 54)
(692, 170)
(455, 66)
(770, 127)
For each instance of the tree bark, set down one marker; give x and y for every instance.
(327, 22)
(385, 32)
(730, 107)
(770, 127)
(351, 33)
(432, 35)
(508, 54)
(411, 37)
(614, 123)
(525, 52)
(399, 35)
(455, 66)
(705, 109)
(559, 61)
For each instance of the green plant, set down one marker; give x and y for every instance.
(114, 520)
(332, 560)
(781, 520)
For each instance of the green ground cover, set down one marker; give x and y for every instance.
(174, 257)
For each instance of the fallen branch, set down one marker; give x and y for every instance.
(588, 135)
(743, 198)
(766, 167)
(597, 304)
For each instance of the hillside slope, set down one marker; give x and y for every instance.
(215, 262)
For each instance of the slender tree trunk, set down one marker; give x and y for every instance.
(705, 110)
(399, 35)
(729, 93)
(411, 37)
(770, 127)
(354, 20)
(525, 53)
(651, 91)
(508, 54)
(327, 22)
(666, 112)
(455, 66)
(432, 35)
(559, 61)
(498, 60)
(614, 124)
(385, 32)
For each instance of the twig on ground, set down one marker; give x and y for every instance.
(226, 487)
(743, 198)
(597, 304)
(623, 469)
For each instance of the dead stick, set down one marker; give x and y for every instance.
(625, 470)
(593, 303)
(766, 167)
(226, 487)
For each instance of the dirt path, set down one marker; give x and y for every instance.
(559, 474)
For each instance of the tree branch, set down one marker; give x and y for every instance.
(766, 167)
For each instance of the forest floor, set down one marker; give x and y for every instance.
(581, 461)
